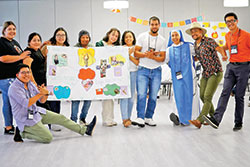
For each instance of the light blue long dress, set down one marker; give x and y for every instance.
(180, 60)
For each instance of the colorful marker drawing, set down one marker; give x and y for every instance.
(61, 92)
(60, 60)
(103, 67)
(117, 71)
(87, 84)
(52, 70)
(85, 74)
(117, 60)
(99, 91)
(112, 90)
(86, 57)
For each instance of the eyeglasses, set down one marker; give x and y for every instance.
(60, 35)
(230, 21)
(25, 72)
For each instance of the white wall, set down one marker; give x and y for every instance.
(44, 16)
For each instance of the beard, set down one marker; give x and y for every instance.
(154, 32)
(196, 37)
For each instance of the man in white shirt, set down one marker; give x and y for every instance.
(150, 49)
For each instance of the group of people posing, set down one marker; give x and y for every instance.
(25, 97)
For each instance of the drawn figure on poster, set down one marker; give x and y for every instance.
(117, 60)
(56, 61)
(86, 57)
(60, 60)
(87, 76)
(112, 89)
(103, 67)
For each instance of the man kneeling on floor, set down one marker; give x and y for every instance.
(23, 95)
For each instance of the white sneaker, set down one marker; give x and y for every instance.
(139, 121)
(114, 123)
(56, 128)
(109, 124)
(150, 122)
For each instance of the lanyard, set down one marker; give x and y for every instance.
(149, 41)
(230, 41)
(18, 50)
(179, 70)
(28, 96)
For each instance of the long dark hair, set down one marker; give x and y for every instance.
(6, 25)
(31, 36)
(106, 38)
(53, 39)
(123, 37)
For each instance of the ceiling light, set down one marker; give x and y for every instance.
(115, 4)
(236, 3)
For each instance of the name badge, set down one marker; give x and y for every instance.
(30, 115)
(234, 49)
(150, 48)
(179, 75)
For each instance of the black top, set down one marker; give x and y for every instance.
(38, 66)
(8, 70)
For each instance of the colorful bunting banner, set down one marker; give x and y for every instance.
(139, 21)
(176, 24)
(182, 23)
(132, 19)
(145, 22)
(172, 24)
(194, 19)
(164, 25)
(199, 18)
(188, 21)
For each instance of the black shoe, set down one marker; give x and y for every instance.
(10, 131)
(211, 121)
(237, 126)
(174, 118)
(83, 121)
(90, 127)
(17, 136)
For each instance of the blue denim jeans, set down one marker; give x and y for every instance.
(126, 105)
(7, 113)
(147, 81)
(75, 107)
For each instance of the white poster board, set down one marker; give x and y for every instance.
(88, 74)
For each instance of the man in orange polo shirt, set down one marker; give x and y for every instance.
(237, 71)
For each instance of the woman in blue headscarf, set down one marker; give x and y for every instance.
(180, 60)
